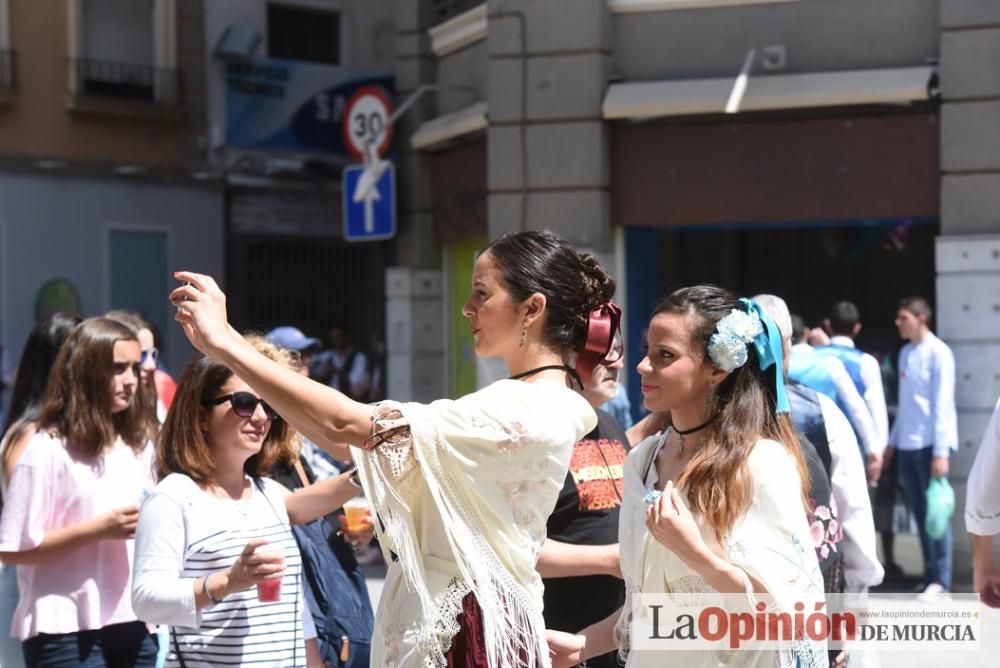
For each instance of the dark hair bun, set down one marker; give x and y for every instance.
(598, 285)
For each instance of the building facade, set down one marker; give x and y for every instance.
(817, 149)
(103, 181)
(856, 159)
(280, 77)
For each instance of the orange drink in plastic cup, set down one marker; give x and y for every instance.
(356, 513)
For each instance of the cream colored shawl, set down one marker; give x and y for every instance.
(771, 543)
(463, 489)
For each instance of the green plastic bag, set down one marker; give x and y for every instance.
(940, 506)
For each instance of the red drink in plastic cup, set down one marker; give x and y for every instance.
(269, 590)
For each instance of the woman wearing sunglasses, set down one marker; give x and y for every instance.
(72, 505)
(462, 488)
(214, 527)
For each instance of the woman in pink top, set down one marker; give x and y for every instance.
(72, 506)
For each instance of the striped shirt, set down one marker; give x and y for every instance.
(185, 533)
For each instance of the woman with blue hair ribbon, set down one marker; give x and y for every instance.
(715, 503)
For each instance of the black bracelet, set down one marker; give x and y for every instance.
(204, 588)
(352, 477)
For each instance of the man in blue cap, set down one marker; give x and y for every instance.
(292, 338)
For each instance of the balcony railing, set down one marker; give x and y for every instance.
(448, 9)
(126, 82)
(8, 69)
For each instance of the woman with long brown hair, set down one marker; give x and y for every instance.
(72, 506)
(716, 502)
(215, 526)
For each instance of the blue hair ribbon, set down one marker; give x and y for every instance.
(768, 346)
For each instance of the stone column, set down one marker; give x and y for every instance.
(547, 142)
(968, 250)
(414, 338)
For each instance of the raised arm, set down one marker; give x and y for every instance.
(321, 413)
(320, 498)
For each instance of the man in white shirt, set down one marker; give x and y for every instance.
(843, 325)
(926, 429)
(827, 375)
(982, 511)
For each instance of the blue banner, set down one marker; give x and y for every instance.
(293, 106)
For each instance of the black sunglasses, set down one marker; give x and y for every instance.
(244, 404)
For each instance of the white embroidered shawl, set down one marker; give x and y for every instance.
(466, 489)
(771, 543)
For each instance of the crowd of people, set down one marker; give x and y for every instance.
(149, 523)
(121, 486)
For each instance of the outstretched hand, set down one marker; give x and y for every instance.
(201, 311)
(357, 539)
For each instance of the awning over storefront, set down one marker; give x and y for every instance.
(737, 169)
(437, 132)
(656, 99)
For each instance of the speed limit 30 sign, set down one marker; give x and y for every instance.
(366, 119)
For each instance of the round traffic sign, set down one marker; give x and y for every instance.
(366, 119)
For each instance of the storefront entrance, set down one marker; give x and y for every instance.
(871, 263)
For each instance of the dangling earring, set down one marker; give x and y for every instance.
(524, 334)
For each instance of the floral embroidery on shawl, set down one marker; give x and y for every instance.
(409, 440)
(511, 436)
(391, 436)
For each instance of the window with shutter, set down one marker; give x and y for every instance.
(116, 57)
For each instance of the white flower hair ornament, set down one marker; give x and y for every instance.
(728, 346)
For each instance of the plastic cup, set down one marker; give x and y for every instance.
(269, 590)
(356, 512)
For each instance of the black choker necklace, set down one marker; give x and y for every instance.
(562, 367)
(698, 428)
(686, 432)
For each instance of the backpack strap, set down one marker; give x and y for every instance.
(177, 647)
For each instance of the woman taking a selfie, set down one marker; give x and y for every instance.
(462, 488)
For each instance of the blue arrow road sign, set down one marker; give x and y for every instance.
(375, 216)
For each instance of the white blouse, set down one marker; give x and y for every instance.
(185, 533)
